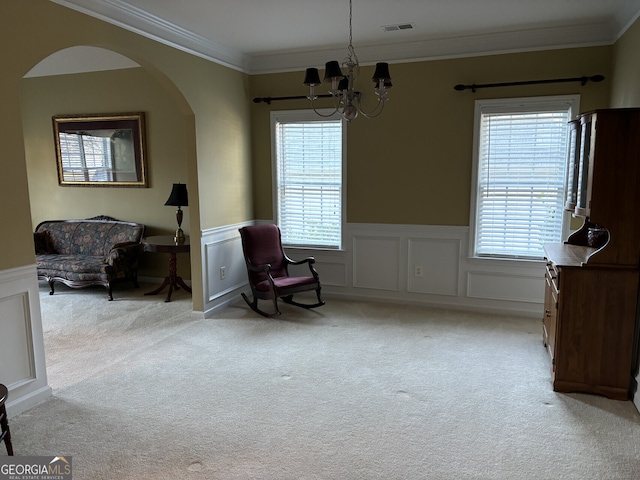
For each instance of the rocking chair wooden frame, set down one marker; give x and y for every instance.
(268, 270)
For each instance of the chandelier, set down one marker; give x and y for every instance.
(347, 100)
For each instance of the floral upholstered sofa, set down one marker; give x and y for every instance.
(80, 253)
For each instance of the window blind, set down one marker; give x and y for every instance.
(84, 157)
(521, 180)
(309, 182)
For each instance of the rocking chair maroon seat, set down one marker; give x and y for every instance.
(267, 267)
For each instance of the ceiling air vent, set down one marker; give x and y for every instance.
(397, 27)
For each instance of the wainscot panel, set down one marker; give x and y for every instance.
(22, 359)
(330, 264)
(17, 364)
(416, 264)
(376, 262)
(433, 266)
(504, 286)
(225, 274)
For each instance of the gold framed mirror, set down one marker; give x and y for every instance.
(103, 150)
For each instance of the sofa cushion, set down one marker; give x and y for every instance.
(42, 242)
(73, 267)
(72, 263)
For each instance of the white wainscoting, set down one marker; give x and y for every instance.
(22, 359)
(379, 263)
(388, 257)
(222, 248)
(430, 265)
(439, 262)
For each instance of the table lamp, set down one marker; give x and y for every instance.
(179, 198)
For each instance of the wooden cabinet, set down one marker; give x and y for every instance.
(589, 323)
(591, 290)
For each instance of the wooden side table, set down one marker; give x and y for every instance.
(167, 244)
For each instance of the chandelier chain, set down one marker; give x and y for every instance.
(352, 57)
(350, 20)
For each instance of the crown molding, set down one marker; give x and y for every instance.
(543, 38)
(128, 17)
(118, 12)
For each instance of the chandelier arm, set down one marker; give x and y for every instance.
(322, 114)
(376, 111)
(373, 113)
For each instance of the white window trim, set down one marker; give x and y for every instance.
(309, 115)
(501, 105)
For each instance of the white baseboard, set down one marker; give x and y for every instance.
(27, 401)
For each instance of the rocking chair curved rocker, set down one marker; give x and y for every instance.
(267, 268)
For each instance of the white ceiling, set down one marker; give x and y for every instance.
(259, 36)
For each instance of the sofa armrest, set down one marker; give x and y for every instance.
(124, 253)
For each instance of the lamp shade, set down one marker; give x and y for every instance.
(332, 70)
(382, 72)
(178, 197)
(312, 77)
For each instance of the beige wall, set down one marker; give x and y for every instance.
(626, 74)
(412, 165)
(212, 100)
(128, 90)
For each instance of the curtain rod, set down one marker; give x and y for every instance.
(268, 100)
(583, 80)
(460, 87)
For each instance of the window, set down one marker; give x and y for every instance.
(86, 157)
(520, 157)
(308, 178)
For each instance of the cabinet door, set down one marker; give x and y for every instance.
(585, 167)
(573, 166)
(595, 331)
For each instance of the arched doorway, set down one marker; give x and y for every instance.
(94, 80)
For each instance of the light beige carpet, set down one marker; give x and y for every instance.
(142, 389)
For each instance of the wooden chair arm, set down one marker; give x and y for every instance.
(259, 268)
(308, 260)
(266, 268)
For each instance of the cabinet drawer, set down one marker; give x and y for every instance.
(552, 276)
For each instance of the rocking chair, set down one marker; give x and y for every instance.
(267, 267)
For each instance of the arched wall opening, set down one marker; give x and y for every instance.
(205, 109)
(99, 80)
